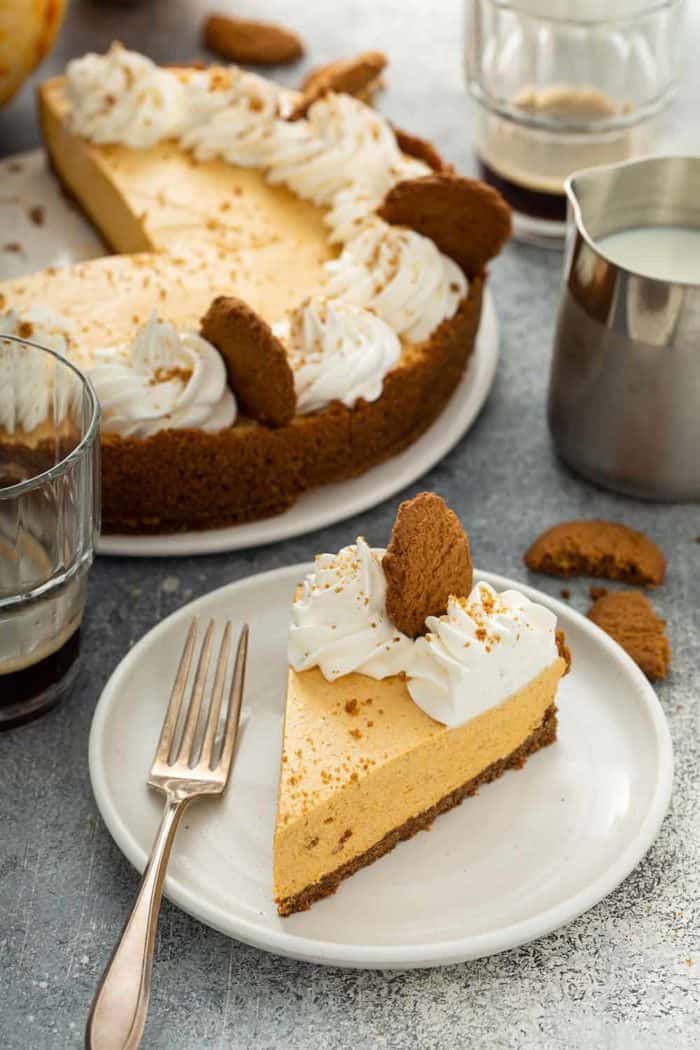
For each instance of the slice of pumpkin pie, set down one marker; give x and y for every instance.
(410, 686)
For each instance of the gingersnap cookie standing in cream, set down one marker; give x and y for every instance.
(467, 220)
(427, 560)
(256, 361)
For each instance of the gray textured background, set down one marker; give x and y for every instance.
(627, 974)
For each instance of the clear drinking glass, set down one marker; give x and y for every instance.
(49, 520)
(561, 85)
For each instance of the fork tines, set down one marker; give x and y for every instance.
(188, 746)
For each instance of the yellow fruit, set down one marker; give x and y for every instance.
(27, 31)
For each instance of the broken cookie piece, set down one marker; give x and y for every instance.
(256, 361)
(359, 76)
(349, 77)
(427, 560)
(249, 41)
(597, 548)
(629, 618)
(468, 220)
(421, 149)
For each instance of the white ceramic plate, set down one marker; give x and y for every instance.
(64, 236)
(529, 853)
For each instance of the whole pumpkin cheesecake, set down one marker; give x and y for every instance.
(410, 686)
(297, 297)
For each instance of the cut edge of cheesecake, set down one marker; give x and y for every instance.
(72, 159)
(542, 736)
(376, 787)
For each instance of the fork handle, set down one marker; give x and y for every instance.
(118, 1013)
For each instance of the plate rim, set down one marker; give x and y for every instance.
(438, 953)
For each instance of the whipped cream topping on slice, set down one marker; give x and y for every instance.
(486, 648)
(400, 274)
(28, 395)
(482, 651)
(339, 624)
(338, 352)
(163, 380)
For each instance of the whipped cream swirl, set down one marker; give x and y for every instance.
(400, 274)
(338, 352)
(354, 147)
(122, 96)
(487, 647)
(340, 623)
(40, 325)
(353, 206)
(164, 380)
(28, 394)
(247, 129)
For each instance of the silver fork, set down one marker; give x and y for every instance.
(182, 771)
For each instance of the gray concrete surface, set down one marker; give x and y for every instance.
(627, 974)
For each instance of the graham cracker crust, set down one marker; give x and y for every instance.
(545, 734)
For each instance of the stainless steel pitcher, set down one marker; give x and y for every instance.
(624, 397)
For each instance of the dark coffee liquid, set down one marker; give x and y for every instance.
(540, 205)
(32, 690)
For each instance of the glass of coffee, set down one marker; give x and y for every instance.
(561, 85)
(49, 520)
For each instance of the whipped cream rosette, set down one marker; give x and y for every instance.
(164, 379)
(28, 397)
(340, 624)
(338, 352)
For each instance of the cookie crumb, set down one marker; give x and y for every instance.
(597, 548)
(37, 214)
(427, 560)
(630, 619)
(565, 593)
(597, 592)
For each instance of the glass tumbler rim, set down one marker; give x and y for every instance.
(86, 441)
(646, 8)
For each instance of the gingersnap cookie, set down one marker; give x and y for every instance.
(597, 548)
(468, 220)
(629, 618)
(349, 77)
(247, 40)
(256, 361)
(426, 561)
(359, 76)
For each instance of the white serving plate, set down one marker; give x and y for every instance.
(528, 854)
